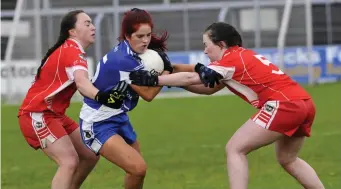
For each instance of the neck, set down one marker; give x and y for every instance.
(223, 50)
(84, 45)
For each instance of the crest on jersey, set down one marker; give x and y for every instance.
(88, 134)
(269, 108)
(38, 124)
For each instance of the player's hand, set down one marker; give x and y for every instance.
(143, 78)
(114, 97)
(207, 76)
(166, 62)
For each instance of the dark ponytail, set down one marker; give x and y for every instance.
(68, 23)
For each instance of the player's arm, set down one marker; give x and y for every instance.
(84, 85)
(183, 68)
(201, 89)
(148, 93)
(112, 98)
(78, 72)
(202, 74)
(179, 79)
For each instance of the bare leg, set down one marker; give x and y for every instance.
(87, 160)
(116, 150)
(65, 155)
(247, 138)
(287, 149)
(129, 178)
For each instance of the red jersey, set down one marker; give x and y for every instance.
(55, 86)
(255, 79)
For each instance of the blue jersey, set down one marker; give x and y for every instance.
(114, 67)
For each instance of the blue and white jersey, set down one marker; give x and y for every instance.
(112, 68)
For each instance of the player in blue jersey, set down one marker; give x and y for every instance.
(108, 131)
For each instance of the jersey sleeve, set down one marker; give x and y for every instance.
(124, 64)
(74, 60)
(224, 68)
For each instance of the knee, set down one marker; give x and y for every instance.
(90, 158)
(232, 148)
(70, 162)
(285, 159)
(229, 148)
(139, 169)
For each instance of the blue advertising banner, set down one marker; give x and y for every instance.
(326, 61)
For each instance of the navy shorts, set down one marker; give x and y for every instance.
(95, 134)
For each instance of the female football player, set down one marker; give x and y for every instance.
(108, 131)
(285, 110)
(42, 118)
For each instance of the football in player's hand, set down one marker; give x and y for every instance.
(152, 62)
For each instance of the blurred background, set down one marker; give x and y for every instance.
(182, 139)
(311, 27)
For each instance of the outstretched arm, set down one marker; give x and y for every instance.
(202, 74)
(180, 79)
(84, 85)
(148, 93)
(183, 68)
(201, 89)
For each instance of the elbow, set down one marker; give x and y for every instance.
(148, 98)
(209, 92)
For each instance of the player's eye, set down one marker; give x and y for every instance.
(88, 23)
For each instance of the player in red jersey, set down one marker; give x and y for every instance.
(42, 118)
(286, 111)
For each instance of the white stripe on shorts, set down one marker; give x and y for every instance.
(89, 137)
(42, 131)
(266, 115)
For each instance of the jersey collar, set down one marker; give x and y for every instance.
(233, 48)
(78, 44)
(230, 50)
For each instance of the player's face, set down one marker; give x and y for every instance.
(140, 39)
(213, 51)
(84, 30)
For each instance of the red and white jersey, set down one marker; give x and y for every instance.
(55, 86)
(255, 79)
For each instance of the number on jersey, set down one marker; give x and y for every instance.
(266, 62)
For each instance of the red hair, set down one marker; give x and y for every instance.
(131, 23)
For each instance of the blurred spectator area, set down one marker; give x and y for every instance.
(198, 20)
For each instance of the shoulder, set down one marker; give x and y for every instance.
(71, 49)
(119, 56)
(120, 61)
(236, 57)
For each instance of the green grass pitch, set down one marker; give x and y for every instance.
(183, 142)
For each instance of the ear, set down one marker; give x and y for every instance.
(72, 32)
(127, 37)
(222, 44)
